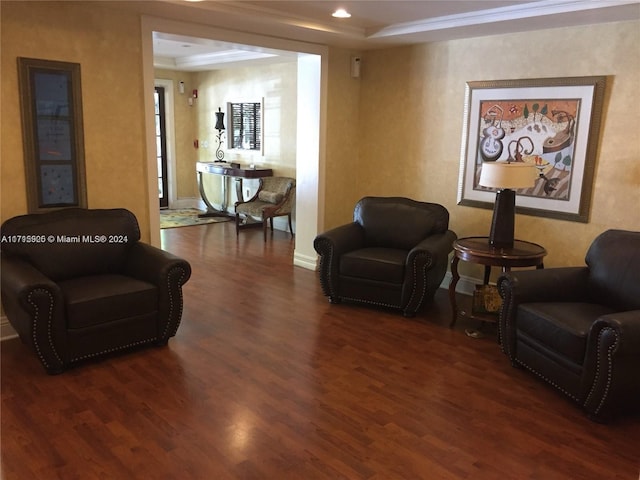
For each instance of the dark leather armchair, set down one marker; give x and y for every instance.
(394, 254)
(77, 284)
(578, 328)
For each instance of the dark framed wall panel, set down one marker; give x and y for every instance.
(51, 104)
(245, 125)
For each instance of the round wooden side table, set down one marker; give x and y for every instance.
(478, 250)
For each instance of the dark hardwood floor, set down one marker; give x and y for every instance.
(266, 380)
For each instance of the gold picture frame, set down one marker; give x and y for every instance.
(553, 123)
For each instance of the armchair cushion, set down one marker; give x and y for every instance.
(107, 298)
(270, 197)
(379, 264)
(613, 270)
(105, 240)
(393, 224)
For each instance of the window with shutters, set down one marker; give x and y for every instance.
(245, 126)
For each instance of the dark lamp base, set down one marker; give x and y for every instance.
(503, 222)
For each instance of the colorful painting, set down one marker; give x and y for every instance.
(550, 123)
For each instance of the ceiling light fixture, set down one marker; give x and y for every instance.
(341, 13)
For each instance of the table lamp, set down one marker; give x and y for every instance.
(505, 176)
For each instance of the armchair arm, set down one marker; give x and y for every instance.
(566, 284)
(434, 246)
(330, 245)
(611, 381)
(426, 266)
(627, 324)
(34, 306)
(153, 264)
(342, 239)
(169, 273)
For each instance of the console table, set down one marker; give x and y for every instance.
(227, 172)
(478, 250)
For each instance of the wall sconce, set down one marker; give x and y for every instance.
(220, 128)
(505, 176)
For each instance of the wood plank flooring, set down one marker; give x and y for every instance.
(266, 380)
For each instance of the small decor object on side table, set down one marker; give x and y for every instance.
(486, 300)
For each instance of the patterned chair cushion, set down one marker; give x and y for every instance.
(270, 197)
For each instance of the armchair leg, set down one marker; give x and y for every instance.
(237, 224)
(290, 226)
(264, 229)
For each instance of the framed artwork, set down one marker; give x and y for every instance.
(553, 123)
(51, 103)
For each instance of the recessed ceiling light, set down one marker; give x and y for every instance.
(341, 13)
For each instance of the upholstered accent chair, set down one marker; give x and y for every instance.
(78, 284)
(275, 197)
(394, 254)
(578, 328)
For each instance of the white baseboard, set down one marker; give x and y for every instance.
(189, 202)
(6, 330)
(466, 285)
(305, 261)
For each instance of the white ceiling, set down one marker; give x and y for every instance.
(373, 24)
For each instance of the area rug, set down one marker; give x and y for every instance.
(186, 217)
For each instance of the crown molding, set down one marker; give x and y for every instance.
(496, 15)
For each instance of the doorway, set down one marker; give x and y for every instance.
(312, 77)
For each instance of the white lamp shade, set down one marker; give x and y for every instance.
(508, 175)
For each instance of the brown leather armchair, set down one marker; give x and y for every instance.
(77, 284)
(394, 254)
(578, 328)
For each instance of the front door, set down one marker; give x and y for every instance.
(161, 147)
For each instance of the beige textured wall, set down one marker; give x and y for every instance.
(185, 125)
(106, 43)
(411, 116)
(341, 171)
(396, 131)
(277, 86)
